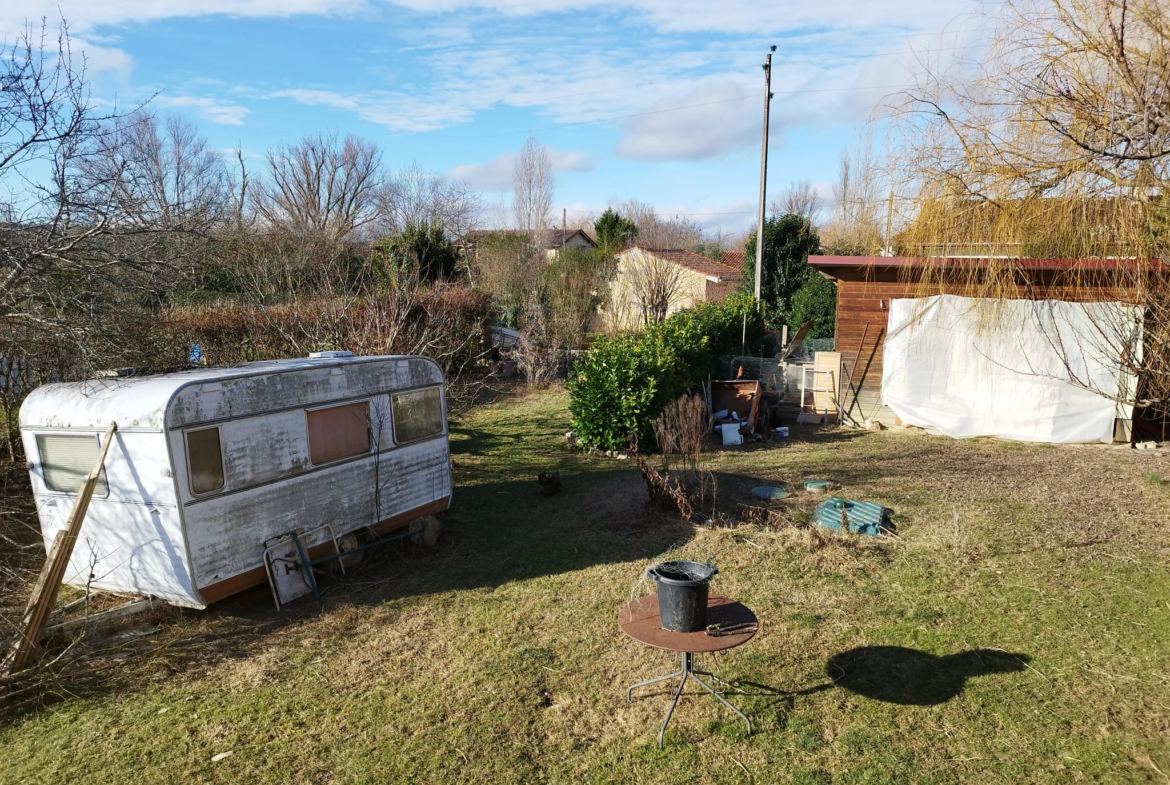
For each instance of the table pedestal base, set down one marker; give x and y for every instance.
(686, 670)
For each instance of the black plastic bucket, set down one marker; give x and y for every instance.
(682, 593)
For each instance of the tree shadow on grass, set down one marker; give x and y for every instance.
(895, 674)
(495, 533)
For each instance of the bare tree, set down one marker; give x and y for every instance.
(802, 199)
(534, 187)
(86, 234)
(1070, 98)
(164, 178)
(855, 226)
(321, 187)
(415, 196)
(657, 232)
(46, 122)
(95, 234)
(652, 288)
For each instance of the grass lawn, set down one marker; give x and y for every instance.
(1016, 630)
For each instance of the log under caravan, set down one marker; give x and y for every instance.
(210, 464)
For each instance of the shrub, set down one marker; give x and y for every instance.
(421, 251)
(622, 384)
(446, 323)
(816, 300)
(723, 322)
(572, 285)
(614, 387)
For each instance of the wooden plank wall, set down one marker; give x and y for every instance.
(859, 302)
(863, 296)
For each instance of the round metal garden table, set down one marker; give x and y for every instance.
(639, 620)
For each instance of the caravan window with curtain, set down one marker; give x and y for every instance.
(66, 460)
(338, 432)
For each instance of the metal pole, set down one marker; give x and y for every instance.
(763, 174)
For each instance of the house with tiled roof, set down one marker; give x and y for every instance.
(551, 241)
(733, 259)
(650, 284)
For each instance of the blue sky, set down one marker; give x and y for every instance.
(657, 100)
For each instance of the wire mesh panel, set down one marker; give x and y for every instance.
(768, 370)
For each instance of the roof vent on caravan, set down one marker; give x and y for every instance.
(329, 355)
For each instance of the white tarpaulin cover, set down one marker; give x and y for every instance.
(1019, 369)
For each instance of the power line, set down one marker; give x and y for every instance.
(694, 106)
(740, 212)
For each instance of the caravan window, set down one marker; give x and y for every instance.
(417, 414)
(67, 460)
(204, 460)
(338, 432)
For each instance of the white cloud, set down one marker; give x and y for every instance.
(562, 72)
(319, 98)
(571, 160)
(102, 58)
(496, 174)
(729, 16)
(397, 111)
(85, 16)
(716, 121)
(210, 109)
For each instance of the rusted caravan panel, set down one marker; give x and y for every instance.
(192, 534)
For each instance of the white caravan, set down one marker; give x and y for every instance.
(210, 465)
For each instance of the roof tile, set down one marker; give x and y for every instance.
(693, 261)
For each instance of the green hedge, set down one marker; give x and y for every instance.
(621, 384)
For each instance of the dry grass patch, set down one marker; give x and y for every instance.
(496, 656)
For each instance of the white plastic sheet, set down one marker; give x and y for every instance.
(1035, 371)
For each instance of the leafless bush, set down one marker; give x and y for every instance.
(691, 491)
(538, 353)
(762, 516)
(575, 284)
(647, 289)
(680, 429)
(510, 266)
(447, 324)
(654, 231)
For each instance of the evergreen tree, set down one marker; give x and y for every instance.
(613, 231)
(788, 240)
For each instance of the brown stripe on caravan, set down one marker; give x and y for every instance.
(255, 576)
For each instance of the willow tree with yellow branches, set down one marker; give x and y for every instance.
(1052, 142)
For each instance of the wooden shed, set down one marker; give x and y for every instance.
(866, 285)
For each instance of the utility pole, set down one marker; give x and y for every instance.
(763, 175)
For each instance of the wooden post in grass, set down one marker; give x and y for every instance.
(44, 594)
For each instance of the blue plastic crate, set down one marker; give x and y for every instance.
(864, 517)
